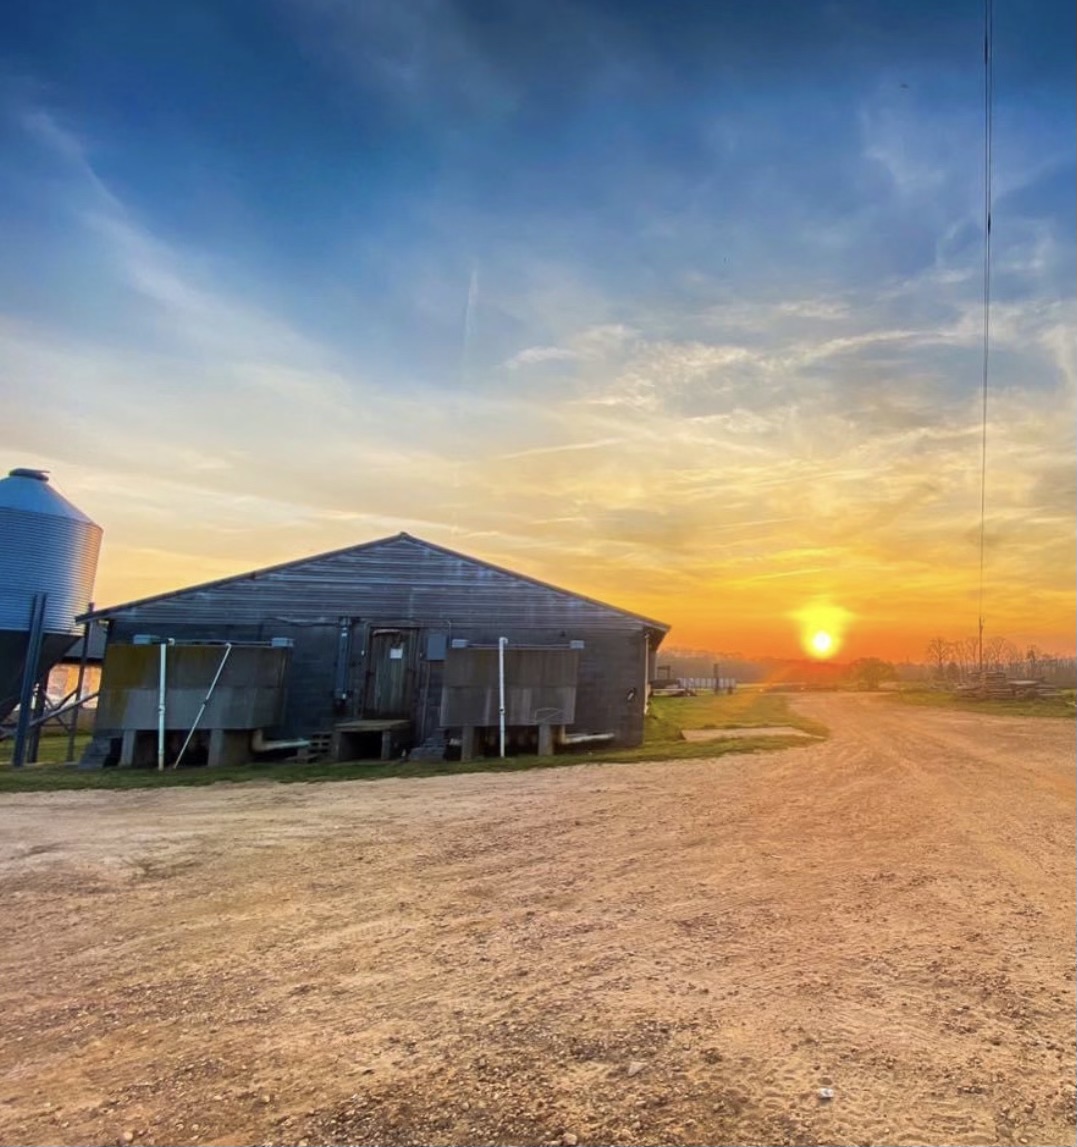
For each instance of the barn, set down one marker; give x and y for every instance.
(394, 645)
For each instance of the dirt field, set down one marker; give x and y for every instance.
(676, 953)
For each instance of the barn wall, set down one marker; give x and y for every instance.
(404, 582)
(610, 669)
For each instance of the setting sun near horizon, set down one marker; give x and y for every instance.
(822, 626)
(821, 644)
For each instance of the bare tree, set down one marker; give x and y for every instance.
(960, 660)
(973, 655)
(998, 652)
(938, 653)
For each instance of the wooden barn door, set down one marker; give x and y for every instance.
(389, 673)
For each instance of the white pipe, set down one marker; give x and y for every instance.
(501, 643)
(162, 683)
(585, 738)
(260, 745)
(202, 708)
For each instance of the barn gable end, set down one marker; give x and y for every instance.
(337, 607)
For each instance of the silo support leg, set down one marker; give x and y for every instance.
(29, 677)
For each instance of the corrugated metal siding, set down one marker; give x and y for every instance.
(540, 687)
(47, 545)
(308, 702)
(400, 577)
(403, 582)
(610, 688)
(46, 554)
(609, 692)
(247, 694)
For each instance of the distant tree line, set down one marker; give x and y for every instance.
(947, 660)
(959, 660)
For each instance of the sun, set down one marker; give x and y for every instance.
(821, 643)
(823, 627)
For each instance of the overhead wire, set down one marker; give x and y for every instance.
(988, 145)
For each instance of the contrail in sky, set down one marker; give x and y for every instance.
(469, 321)
(465, 363)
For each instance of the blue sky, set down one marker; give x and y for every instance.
(677, 304)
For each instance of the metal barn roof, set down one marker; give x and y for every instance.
(334, 577)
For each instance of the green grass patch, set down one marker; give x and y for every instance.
(662, 742)
(1060, 706)
(741, 710)
(52, 748)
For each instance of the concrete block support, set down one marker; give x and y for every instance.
(229, 747)
(128, 748)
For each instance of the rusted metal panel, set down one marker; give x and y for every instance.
(540, 687)
(248, 695)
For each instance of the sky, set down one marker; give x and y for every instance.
(679, 306)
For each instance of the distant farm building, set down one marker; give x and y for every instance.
(392, 646)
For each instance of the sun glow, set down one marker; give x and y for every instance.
(822, 628)
(822, 644)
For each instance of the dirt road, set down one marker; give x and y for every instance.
(666, 953)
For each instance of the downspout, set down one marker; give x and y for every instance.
(205, 702)
(501, 643)
(162, 684)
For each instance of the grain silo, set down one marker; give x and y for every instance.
(48, 558)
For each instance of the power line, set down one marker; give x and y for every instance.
(988, 147)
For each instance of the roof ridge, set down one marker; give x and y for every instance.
(403, 535)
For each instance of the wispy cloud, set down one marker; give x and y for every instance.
(567, 447)
(718, 368)
(535, 355)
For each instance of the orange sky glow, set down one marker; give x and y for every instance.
(753, 557)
